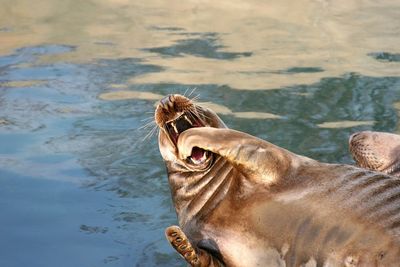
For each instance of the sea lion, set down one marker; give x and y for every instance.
(377, 151)
(242, 201)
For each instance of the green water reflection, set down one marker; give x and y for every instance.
(80, 185)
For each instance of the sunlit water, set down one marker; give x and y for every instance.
(79, 185)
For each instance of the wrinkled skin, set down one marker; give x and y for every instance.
(242, 201)
(377, 151)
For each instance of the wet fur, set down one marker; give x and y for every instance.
(261, 205)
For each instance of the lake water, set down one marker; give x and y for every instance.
(80, 185)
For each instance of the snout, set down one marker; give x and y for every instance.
(167, 102)
(357, 137)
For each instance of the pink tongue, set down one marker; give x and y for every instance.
(197, 153)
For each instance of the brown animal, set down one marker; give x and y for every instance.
(242, 201)
(377, 151)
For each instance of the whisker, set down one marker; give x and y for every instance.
(193, 110)
(184, 94)
(201, 112)
(197, 112)
(195, 98)
(194, 89)
(153, 130)
(147, 125)
(150, 133)
(148, 118)
(193, 116)
(149, 129)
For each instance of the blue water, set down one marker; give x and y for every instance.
(80, 185)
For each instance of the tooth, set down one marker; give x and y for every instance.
(186, 117)
(202, 159)
(174, 126)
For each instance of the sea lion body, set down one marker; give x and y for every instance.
(242, 201)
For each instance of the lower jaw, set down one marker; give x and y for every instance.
(204, 165)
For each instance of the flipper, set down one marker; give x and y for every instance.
(259, 160)
(196, 258)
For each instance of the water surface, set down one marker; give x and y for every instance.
(78, 184)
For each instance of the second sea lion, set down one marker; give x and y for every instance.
(377, 151)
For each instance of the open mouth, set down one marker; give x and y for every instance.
(181, 124)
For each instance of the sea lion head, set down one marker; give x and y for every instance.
(207, 162)
(175, 114)
(376, 151)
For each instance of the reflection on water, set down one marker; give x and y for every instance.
(345, 124)
(385, 56)
(125, 95)
(206, 46)
(78, 81)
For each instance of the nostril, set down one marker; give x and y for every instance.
(164, 101)
(354, 135)
(167, 102)
(171, 101)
